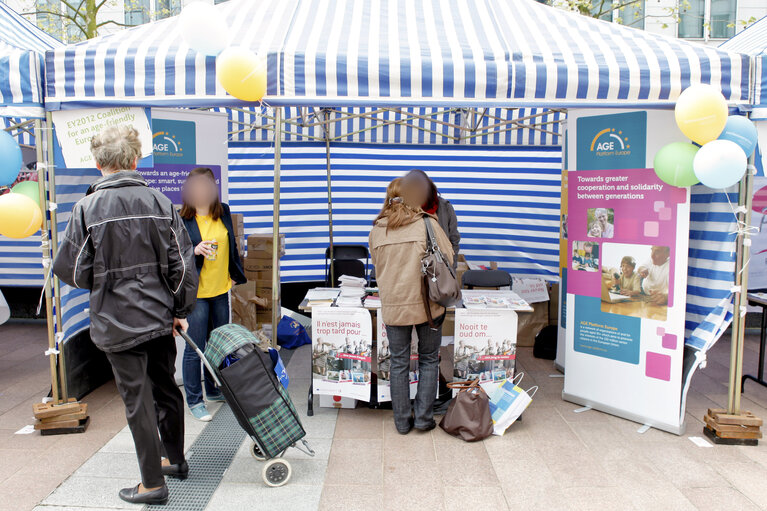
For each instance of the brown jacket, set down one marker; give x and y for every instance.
(397, 258)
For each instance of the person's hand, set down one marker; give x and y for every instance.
(180, 323)
(643, 273)
(203, 249)
(658, 298)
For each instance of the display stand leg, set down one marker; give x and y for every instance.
(762, 342)
(276, 312)
(735, 426)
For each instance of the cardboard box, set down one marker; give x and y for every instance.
(448, 326)
(257, 265)
(238, 222)
(264, 243)
(530, 323)
(337, 402)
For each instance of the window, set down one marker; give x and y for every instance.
(692, 19)
(49, 23)
(167, 8)
(722, 15)
(631, 14)
(136, 12)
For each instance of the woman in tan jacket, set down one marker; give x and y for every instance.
(397, 245)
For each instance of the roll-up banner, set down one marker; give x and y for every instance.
(626, 267)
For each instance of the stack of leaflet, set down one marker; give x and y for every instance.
(352, 291)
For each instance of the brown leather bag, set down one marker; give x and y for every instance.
(468, 416)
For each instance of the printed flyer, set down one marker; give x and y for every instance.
(626, 269)
(342, 342)
(485, 344)
(384, 363)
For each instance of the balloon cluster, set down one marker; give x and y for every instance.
(238, 69)
(722, 144)
(20, 213)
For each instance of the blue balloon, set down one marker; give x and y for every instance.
(741, 131)
(10, 159)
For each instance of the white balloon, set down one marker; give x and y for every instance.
(204, 28)
(719, 164)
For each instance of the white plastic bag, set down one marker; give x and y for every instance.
(507, 402)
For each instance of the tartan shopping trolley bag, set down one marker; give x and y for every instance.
(245, 374)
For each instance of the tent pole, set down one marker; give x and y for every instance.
(47, 261)
(54, 248)
(742, 257)
(330, 201)
(276, 313)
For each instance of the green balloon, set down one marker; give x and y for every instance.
(673, 164)
(30, 189)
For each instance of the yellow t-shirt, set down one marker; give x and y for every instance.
(214, 277)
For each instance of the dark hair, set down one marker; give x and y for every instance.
(187, 210)
(431, 203)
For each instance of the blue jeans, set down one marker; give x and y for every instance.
(208, 314)
(429, 342)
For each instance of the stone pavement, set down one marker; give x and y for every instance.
(552, 459)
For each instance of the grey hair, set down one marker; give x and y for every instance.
(599, 211)
(116, 148)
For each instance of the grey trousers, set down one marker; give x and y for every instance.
(429, 341)
(145, 379)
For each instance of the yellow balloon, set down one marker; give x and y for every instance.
(20, 216)
(241, 73)
(701, 113)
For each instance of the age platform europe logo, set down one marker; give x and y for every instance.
(173, 141)
(613, 141)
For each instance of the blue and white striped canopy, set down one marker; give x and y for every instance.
(22, 47)
(399, 52)
(753, 41)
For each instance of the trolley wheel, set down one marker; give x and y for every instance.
(256, 452)
(276, 472)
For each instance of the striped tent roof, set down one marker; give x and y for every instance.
(399, 52)
(753, 41)
(22, 47)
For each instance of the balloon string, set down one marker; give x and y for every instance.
(742, 230)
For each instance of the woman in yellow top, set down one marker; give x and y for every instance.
(209, 224)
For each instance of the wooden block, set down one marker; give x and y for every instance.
(72, 423)
(81, 426)
(745, 418)
(80, 414)
(730, 428)
(46, 410)
(712, 435)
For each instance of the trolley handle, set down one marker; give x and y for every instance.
(209, 367)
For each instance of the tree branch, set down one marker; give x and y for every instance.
(112, 22)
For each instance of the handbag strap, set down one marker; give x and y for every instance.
(465, 385)
(431, 239)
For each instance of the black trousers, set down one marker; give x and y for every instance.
(145, 379)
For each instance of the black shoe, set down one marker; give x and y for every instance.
(427, 428)
(155, 497)
(179, 470)
(405, 431)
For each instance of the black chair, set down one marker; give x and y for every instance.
(347, 260)
(485, 278)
